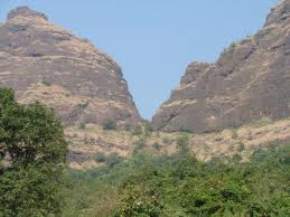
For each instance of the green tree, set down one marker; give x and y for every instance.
(183, 145)
(139, 201)
(33, 151)
(109, 125)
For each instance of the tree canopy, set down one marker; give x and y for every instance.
(181, 186)
(33, 152)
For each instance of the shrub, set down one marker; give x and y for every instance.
(82, 126)
(241, 147)
(113, 159)
(46, 83)
(139, 145)
(262, 122)
(109, 125)
(147, 129)
(128, 127)
(183, 144)
(137, 201)
(83, 105)
(100, 157)
(156, 146)
(234, 134)
(166, 140)
(138, 130)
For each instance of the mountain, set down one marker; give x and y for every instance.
(43, 62)
(249, 81)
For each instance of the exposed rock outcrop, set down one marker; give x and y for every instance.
(250, 80)
(44, 62)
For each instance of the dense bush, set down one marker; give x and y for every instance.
(33, 153)
(109, 125)
(181, 186)
(100, 157)
(113, 159)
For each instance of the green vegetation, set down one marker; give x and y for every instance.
(144, 129)
(82, 126)
(109, 160)
(181, 186)
(46, 83)
(156, 146)
(138, 130)
(113, 159)
(139, 145)
(32, 150)
(183, 144)
(33, 182)
(100, 157)
(261, 122)
(109, 125)
(83, 105)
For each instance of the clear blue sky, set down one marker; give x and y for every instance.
(154, 40)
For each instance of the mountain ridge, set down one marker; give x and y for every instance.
(248, 82)
(43, 62)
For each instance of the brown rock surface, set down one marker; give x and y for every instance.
(250, 81)
(44, 62)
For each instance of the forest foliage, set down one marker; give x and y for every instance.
(181, 186)
(32, 159)
(34, 181)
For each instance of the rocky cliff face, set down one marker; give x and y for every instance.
(44, 62)
(250, 81)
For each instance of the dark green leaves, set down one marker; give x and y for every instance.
(32, 153)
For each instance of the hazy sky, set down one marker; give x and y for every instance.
(154, 40)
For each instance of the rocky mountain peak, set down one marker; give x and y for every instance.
(193, 71)
(250, 81)
(25, 11)
(279, 14)
(44, 62)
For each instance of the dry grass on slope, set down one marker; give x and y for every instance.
(86, 143)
